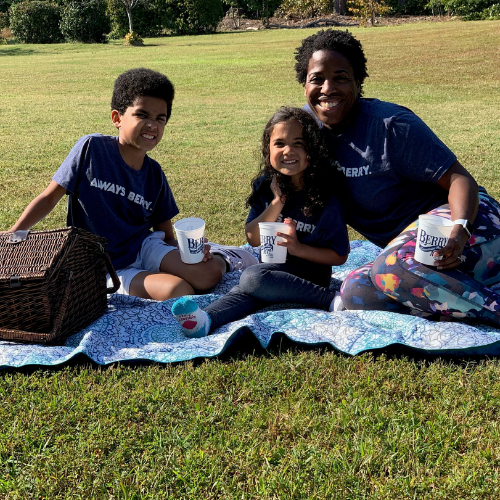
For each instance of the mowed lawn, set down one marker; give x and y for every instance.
(285, 423)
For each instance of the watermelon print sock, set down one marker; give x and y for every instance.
(194, 322)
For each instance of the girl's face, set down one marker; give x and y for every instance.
(287, 150)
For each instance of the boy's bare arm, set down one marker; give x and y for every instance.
(40, 207)
(168, 229)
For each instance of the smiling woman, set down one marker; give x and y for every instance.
(395, 169)
(332, 89)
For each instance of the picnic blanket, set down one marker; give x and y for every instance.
(135, 329)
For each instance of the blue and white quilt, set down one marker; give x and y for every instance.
(136, 330)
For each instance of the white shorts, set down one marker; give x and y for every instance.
(149, 258)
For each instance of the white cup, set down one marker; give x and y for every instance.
(433, 234)
(190, 234)
(270, 252)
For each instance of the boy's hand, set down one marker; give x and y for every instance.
(291, 241)
(207, 255)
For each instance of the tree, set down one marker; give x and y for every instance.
(340, 7)
(129, 5)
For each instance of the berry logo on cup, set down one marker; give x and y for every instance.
(266, 245)
(429, 243)
(196, 246)
(190, 234)
(433, 234)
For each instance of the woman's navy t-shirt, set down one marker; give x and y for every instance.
(391, 161)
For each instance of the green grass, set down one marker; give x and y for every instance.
(276, 424)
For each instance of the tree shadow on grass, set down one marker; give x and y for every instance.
(16, 51)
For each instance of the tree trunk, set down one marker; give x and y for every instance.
(130, 24)
(340, 7)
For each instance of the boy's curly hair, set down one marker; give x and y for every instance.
(339, 41)
(319, 178)
(141, 82)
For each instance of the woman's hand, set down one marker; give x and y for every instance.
(449, 256)
(463, 199)
(291, 241)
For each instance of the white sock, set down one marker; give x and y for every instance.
(193, 321)
(337, 304)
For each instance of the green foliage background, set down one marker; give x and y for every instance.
(36, 22)
(85, 21)
(154, 17)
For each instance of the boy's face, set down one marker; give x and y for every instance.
(141, 126)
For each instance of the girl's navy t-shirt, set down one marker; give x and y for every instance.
(325, 228)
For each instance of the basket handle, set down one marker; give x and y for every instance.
(112, 273)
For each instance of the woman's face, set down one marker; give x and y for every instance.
(331, 89)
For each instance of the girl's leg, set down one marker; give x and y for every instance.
(273, 283)
(459, 292)
(260, 286)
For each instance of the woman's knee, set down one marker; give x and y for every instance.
(355, 287)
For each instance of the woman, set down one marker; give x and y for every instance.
(395, 169)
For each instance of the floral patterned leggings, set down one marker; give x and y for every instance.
(396, 282)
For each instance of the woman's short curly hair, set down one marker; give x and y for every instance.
(339, 41)
(141, 82)
(319, 177)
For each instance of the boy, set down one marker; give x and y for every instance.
(116, 191)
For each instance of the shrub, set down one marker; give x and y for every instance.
(305, 8)
(191, 17)
(492, 12)
(85, 21)
(468, 9)
(412, 7)
(4, 22)
(132, 38)
(36, 22)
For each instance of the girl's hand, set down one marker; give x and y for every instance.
(276, 191)
(291, 241)
(449, 255)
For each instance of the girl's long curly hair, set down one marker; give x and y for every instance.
(319, 178)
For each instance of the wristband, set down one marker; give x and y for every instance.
(466, 225)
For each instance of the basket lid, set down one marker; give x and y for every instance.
(34, 256)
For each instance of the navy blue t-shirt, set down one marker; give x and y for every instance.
(324, 228)
(111, 199)
(391, 161)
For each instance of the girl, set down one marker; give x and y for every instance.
(294, 185)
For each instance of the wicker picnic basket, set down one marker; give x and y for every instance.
(52, 283)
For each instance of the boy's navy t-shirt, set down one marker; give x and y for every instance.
(111, 199)
(324, 228)
(391, 161)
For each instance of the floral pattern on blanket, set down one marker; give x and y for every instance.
(135, 329)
